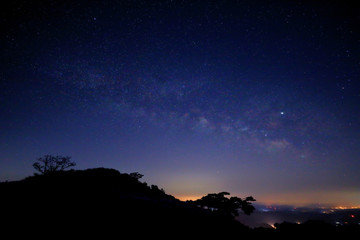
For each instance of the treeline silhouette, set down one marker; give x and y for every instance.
(108, 204)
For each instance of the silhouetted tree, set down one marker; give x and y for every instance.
(229, 206)
(49, 163)
(136, 175)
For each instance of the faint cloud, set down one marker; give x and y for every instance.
(203, 122)
(204, 125)
(226, 128)
(276, 145)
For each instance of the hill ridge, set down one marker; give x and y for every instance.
(101, 200)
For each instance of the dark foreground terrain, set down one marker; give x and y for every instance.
(107, 204)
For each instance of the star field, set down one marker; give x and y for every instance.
(250, 97)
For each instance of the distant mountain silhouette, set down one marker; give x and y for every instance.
(103, 202)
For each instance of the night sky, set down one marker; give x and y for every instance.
(256, 98)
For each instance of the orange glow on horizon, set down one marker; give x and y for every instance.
(188, 197)
(326, 200)
(275, 203)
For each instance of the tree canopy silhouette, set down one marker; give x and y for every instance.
(136, 175)
(229, 206)
(49, 163)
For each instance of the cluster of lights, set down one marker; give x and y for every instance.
(345, 208)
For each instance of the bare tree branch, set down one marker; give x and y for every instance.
(49, 163)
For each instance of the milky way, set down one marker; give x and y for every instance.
(249, 97)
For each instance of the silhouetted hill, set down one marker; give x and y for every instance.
(103, 202)
(91, 182)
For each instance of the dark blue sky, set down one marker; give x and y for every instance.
(252, 97)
